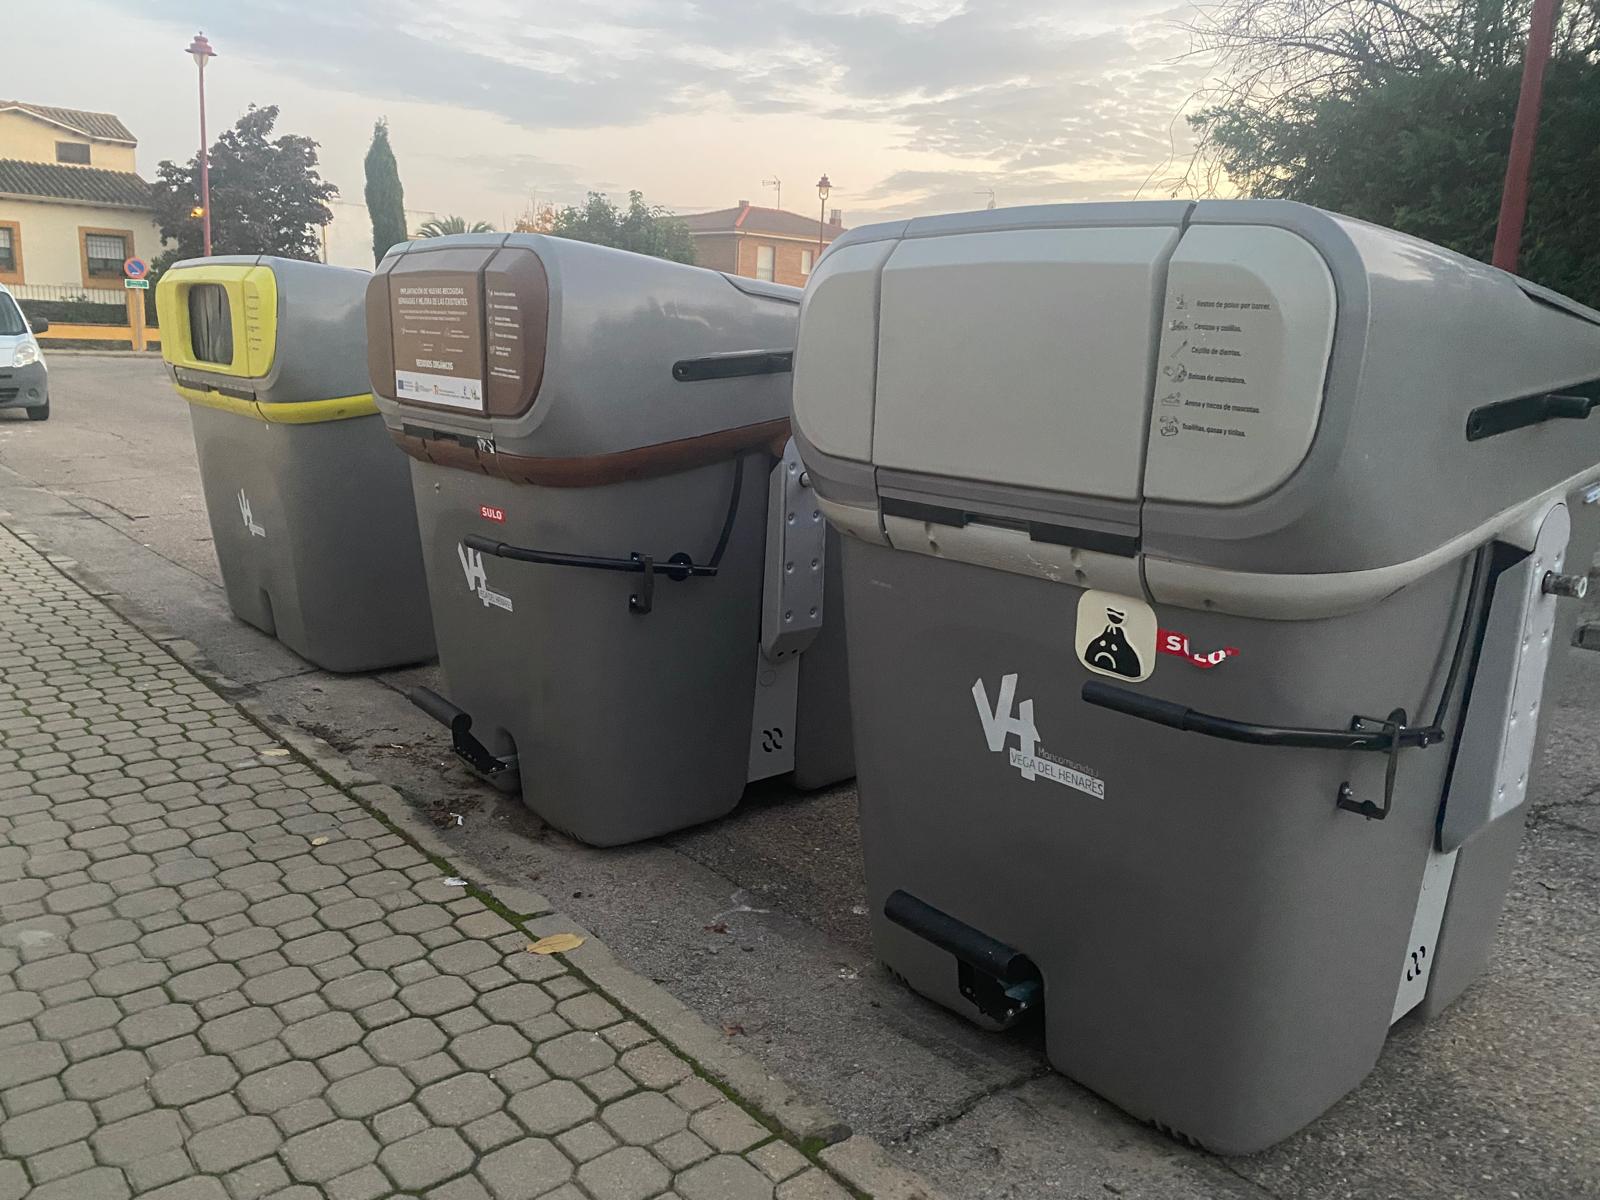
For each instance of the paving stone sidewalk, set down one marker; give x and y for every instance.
(223, 978)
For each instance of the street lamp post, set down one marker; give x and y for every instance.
(823, 188)
(200, 50)
(1519, 165)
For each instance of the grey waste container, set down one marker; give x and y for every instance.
(1202, 577)
(310, 507)
(627, 567)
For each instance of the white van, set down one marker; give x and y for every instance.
(24, 379)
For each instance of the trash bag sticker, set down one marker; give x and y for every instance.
(1116, 636)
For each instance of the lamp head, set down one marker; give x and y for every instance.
(200, 50)
(823, 188)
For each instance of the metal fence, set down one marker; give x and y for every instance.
(66, 293)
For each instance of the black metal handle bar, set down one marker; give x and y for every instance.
(733, 366)
(1506, 415)
(679, 566)
(967, 944)
(1384, 739)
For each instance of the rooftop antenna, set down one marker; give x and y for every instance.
(777, 183)
(989, 192)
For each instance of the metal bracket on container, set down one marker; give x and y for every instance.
(459, 722)
(791, 612)
(1393, 727)
(791, 608)
(1002, 982)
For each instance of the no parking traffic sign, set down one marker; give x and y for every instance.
(136, 268)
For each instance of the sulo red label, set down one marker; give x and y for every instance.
(1169, 641)
(491, 514)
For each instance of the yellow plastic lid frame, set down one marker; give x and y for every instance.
(252, 295)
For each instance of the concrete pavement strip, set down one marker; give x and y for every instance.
(233, 968)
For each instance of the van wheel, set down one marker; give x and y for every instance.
(42, 413)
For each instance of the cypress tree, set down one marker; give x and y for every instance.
(385, 200)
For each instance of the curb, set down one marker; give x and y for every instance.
(656, 1007)
(853, 1158)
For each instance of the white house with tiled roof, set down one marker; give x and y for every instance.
(72, 204)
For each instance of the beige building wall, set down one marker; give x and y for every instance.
(50, 241)
(34, 140)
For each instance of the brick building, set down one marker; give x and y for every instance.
(761, 243)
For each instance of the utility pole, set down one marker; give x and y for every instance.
(1524, 135)
(200, 50)
(824, 188)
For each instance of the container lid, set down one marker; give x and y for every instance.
(274, 331)
(548, 348)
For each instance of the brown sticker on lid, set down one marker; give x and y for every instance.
(516, 299)
(437, 317)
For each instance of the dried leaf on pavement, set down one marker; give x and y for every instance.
(556, 943)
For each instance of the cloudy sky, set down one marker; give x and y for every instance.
(910, 106)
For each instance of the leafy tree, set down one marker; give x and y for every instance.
(386, 203)
(444, 226)
(642, 228)
(536, 218)
(267, 196)
(1401, 114)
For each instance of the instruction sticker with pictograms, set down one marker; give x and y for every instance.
(1116, 636)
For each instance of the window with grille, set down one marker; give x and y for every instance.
(210, 323)
(72, 152)
(106, 252)
(764, 258)
(8, 249)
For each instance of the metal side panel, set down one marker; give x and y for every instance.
(1421, 950)
(1490, 777)
(772, 725)
(791, 611)
(791, 598)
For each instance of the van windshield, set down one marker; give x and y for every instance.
(11, 324)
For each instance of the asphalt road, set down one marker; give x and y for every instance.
(1499, 1097)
